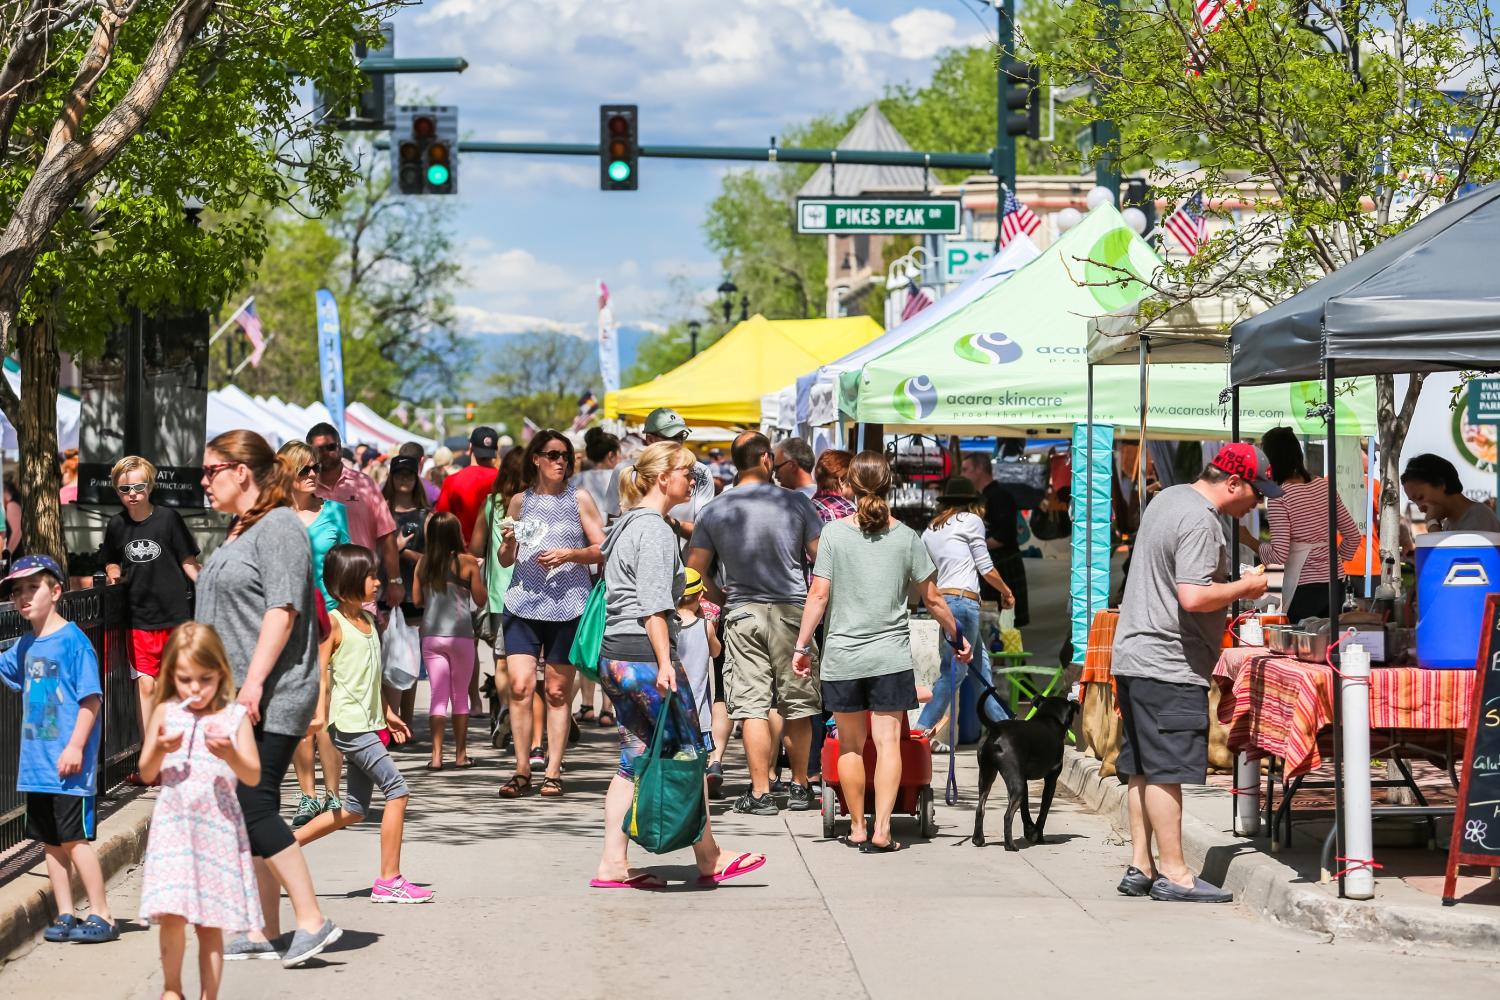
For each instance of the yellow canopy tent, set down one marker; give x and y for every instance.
(723, 385)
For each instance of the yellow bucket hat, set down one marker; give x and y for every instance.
(694, 584)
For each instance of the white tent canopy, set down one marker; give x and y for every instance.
(69, 417)
(1191, 332)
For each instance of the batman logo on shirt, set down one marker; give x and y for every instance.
(142, 550)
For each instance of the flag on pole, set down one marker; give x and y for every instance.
(1016, 218)
(1210, 12)
(1189, 225)
(609, 343)
(249, 321)
(916, 300)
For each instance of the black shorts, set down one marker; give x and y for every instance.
(56, 820)
(1163, 732)
(887, 693)
(549, 642)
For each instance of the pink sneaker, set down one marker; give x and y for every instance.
(399, 890)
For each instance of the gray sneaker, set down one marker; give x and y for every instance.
(305, 946)
(1135, 883)
(241, 948)
(756, 805)
(800, 798)
(1201, 892)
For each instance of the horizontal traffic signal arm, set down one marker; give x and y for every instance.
(762, 154)
(375, 64)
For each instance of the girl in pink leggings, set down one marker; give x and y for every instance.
(446, 585)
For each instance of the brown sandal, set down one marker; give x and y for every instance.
(516, 787)
(551, 787)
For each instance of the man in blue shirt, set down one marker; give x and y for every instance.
(55, 668)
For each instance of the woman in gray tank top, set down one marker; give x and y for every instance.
(446, 585)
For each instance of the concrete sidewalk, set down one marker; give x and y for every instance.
(514, 916)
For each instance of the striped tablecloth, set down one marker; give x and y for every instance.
(1275, 705)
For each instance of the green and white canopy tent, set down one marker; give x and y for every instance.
(1015, 360)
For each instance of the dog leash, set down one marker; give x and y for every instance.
(950, 794)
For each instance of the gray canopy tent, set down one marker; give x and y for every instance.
(1425, 300)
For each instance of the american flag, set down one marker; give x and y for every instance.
(1189, 224)
(1210, 12)
(249, 322)
(916, 300)
(1016, 218)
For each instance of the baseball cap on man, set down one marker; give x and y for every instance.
(484, 442)
(665, 423)
(1249, 463)
(30, 566)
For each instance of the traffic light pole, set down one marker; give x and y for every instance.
(1106, 133)
(1003, 164)
(759, 154)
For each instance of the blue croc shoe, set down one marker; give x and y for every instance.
(57, 932)
(94, 930)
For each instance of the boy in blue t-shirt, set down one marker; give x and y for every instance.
(58, 674)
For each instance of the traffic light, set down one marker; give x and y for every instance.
(1022, 101)
(619, 147)
(371, 109)
(426, 150)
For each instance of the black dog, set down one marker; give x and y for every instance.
(1022, 751)
(499, 713)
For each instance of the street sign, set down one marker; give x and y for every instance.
(833, 216)
(965, 258)
(1484, 401)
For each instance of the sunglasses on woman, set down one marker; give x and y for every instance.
(125, 489)
(552, 456)
(307, 470)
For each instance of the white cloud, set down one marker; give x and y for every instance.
(472, 320)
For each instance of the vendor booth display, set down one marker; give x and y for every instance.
(1422, 301)
(725, 383)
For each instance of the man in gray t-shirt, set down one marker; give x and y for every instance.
(764, 539)
(1166, 643)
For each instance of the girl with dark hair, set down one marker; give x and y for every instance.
(868, 563)
(357, 711)
(601, 450)
(547, 592)
(1298, 521)
(447, 584)
(256, 590)
(409, 506)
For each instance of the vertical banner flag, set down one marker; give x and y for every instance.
(609, 344)
(1090, 575)
(331, 358)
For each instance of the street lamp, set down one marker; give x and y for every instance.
(693, 328)
(744, 308)
(726, 292)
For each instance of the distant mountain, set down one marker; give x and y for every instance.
(492, 351)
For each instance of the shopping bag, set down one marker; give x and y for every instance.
(668, 810)
(589, 637)
(400, 653)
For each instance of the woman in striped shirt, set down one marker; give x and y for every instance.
(1298, 521)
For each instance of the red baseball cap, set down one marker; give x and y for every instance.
(1239, 458)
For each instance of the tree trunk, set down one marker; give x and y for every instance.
(40, 480)
(1391, 435)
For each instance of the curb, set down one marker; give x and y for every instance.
(1280, 893)
(26, 904)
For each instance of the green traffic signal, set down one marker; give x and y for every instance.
(619, 171)
(437, 175)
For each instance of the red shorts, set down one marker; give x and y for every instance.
(146, 645)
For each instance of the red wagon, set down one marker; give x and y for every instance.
(914, 798)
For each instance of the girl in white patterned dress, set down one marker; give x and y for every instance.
(198, 868)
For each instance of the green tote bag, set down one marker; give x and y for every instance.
(589, 639)
(667, 811)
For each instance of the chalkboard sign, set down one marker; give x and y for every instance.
(1476, 820)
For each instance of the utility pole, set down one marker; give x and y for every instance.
(1004, 166)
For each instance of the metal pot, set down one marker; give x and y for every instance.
(1279, 639)
(1312, 647)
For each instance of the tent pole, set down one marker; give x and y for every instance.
(1334, 604)
(1140, 464)
(1088, 520)
(1231, 528)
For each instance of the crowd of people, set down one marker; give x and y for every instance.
(764, 595)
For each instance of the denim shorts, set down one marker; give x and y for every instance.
(368, 764)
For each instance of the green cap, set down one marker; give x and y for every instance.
(666, 423)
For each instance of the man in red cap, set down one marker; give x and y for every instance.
(1166, 644)
(465, 491)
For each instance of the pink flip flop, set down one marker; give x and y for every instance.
(739, 866)
(645, 880)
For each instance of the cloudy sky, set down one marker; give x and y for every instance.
(537, 232)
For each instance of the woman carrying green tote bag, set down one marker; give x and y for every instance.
(658, 795)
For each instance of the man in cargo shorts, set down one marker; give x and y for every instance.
(1166, 644)
(765, 539)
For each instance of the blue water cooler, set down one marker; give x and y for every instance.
(1455, 572)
